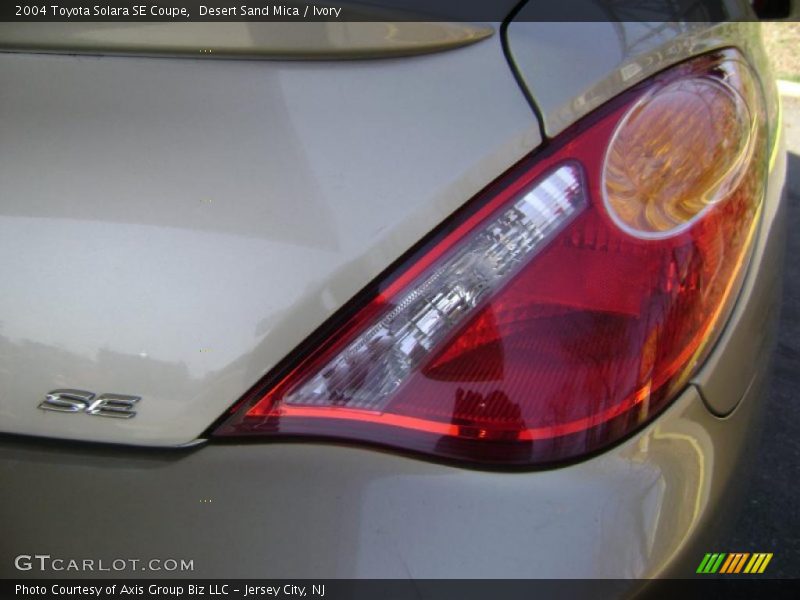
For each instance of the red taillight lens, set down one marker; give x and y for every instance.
(563, 308)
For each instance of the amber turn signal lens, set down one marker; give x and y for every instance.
(681, 149)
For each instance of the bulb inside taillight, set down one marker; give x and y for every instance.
(563, 307)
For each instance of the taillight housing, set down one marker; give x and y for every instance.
(563, 307)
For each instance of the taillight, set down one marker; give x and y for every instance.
(562, 308)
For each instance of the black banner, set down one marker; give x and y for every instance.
(392, 589)
(389, 10)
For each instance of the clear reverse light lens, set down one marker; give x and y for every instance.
(373, 366)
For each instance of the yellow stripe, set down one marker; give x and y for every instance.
(760, 557)
(741, 562)
(749, 567)
(727, 562)
(765, 563)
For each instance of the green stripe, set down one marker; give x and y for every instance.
(711, 562)
(701, 568)
(718, 563)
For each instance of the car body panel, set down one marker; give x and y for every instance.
(203, 231)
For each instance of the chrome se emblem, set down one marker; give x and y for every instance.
(117, 406)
